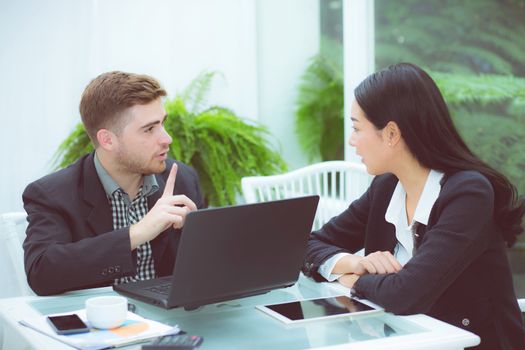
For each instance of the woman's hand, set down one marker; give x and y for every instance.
(377, 263)
(348, 280)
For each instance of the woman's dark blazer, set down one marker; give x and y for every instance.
(71, 243)
(460, 273)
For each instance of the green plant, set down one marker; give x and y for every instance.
(478, 68)
(222, 147)
(473, 50)
(482, 36)
(488, 111)
(320, 108)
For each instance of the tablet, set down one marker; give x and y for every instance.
(315, 309)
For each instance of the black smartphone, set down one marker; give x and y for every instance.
(67, 324)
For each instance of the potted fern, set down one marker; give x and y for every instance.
(222, 147)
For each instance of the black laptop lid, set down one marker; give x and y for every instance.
(231, 252)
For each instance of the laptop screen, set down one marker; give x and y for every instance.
(231, 252)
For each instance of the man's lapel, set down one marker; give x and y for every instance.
(100, 217)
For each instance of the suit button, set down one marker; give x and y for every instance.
(111, 270)
(117, 268)
(104, 272)
(465, 322)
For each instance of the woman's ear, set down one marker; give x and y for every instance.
(391, 134)
(106, 139)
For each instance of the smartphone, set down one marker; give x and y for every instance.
(67, 324)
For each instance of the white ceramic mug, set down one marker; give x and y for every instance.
(106, 312)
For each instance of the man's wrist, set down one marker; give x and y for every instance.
(135, 236)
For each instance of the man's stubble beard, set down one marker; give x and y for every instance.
(133, 164)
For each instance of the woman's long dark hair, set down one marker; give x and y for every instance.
(407, 95)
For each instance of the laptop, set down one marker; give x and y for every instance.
(233, 252)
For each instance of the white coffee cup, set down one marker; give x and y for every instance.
(106, 312)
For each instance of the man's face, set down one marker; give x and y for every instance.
(142, 146)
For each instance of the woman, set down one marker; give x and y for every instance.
(435, 221)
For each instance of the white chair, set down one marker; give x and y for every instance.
(337, 183)
(12, 234)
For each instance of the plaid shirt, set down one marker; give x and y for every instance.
(126, 213)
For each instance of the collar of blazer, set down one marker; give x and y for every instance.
(99, 218)
(380, 235)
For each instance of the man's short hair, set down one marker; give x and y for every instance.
(107, 96)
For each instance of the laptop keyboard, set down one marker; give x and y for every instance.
(160, 289)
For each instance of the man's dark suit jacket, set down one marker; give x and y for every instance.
(460, 273)
(71, 243)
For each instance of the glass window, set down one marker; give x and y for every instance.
(474, 51)
(320, 103)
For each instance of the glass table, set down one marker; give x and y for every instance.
(237, 324)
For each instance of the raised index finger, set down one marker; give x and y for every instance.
(170, 183)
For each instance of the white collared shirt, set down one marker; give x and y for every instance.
(396, 215)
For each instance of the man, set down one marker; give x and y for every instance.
(115, 215)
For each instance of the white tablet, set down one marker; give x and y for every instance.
(321, 308)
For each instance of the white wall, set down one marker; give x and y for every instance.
(288, 35)
(175, 40)
(42, 69)
(50, 50)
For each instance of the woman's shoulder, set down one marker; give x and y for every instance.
(465, 177)
(467, 181)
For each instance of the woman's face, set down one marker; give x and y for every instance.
(369, 142)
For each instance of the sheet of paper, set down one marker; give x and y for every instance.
(135, 329)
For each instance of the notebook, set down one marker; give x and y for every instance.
(232, 252)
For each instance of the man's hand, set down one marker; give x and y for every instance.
(170, 210)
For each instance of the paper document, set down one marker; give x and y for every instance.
(135, 329)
